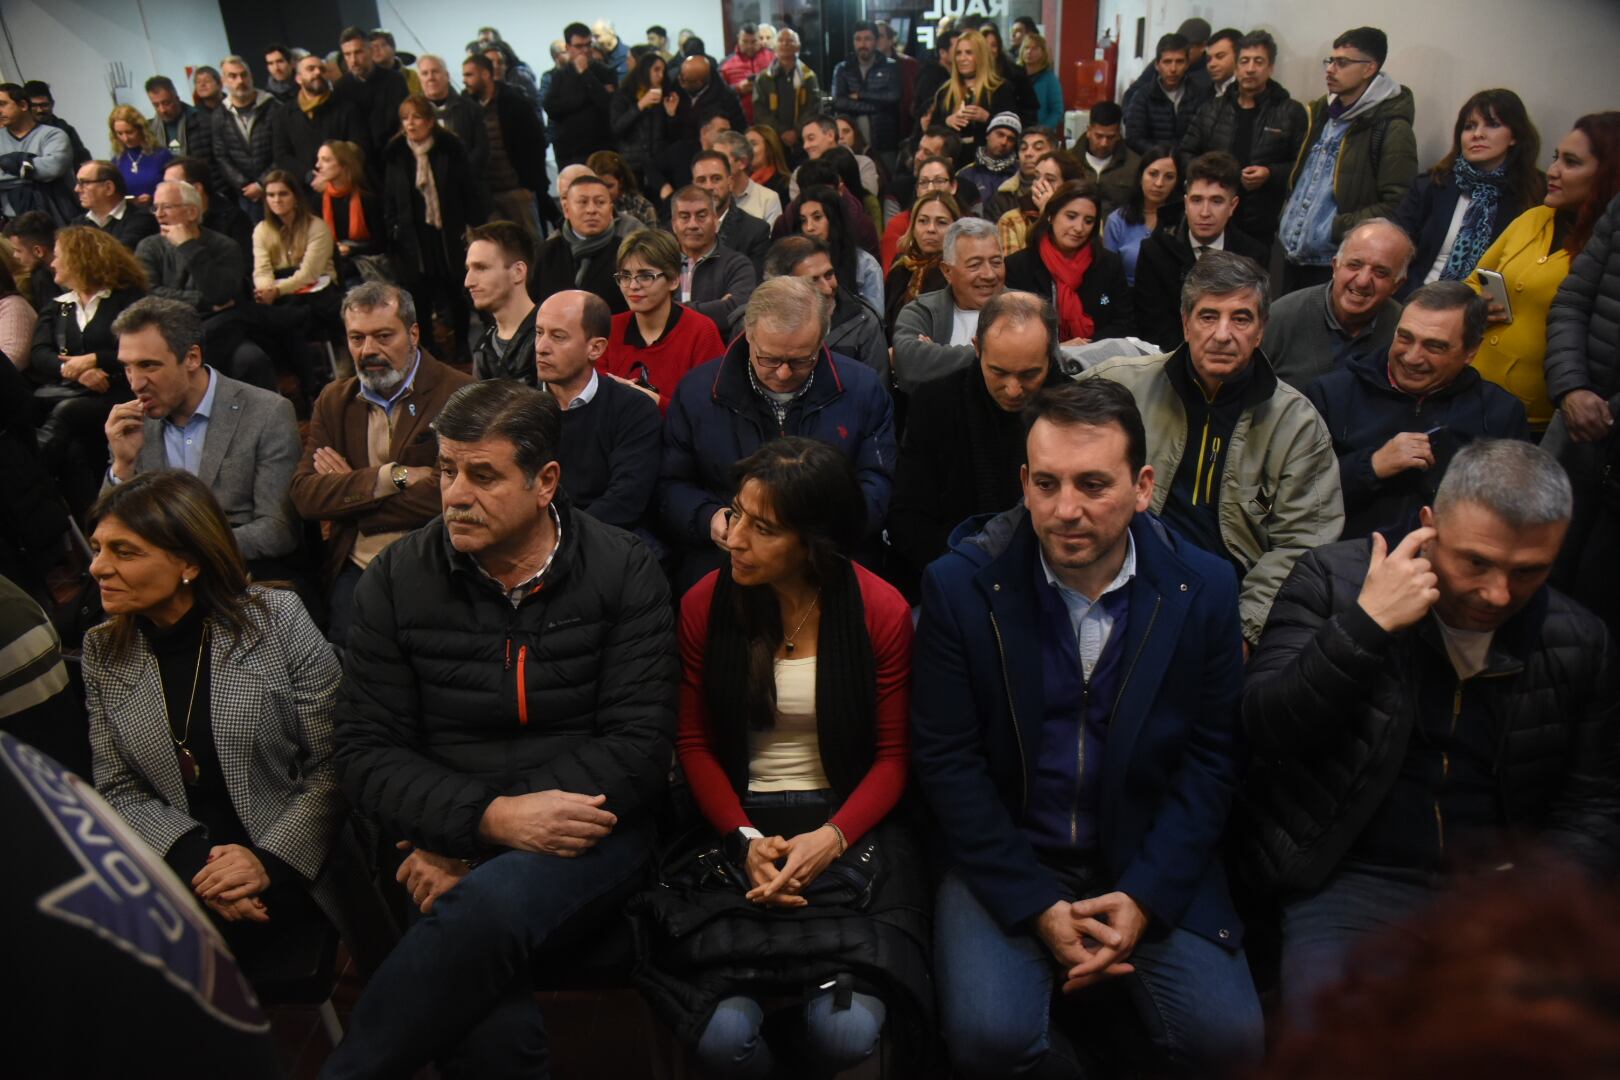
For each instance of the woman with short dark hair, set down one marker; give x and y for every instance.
(430, 197)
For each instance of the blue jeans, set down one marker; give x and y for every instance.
(1195, 999)
(458, 987)
(1320, 931)
(835, 1039)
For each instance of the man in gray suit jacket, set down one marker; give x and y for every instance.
(239, 440)
(933, 335)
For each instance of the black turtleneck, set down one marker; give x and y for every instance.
(181, 658)
(1193, 506)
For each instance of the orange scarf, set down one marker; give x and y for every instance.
(1068, 271)
(359, 232)
(762, 174)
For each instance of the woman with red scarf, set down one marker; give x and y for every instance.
(1066, 263)
(349, 208)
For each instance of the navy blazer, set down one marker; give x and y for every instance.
(1174, 747)
(1425, 214)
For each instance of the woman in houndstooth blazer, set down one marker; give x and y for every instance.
(210, 707)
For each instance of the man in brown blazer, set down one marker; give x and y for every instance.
(368, 470)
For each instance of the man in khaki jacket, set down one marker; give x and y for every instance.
(369, 467)
(1245, 464)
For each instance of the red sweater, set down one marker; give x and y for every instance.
(888, 623)
(689, 339)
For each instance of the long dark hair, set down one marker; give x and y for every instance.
(812, 491)
(173, 510)
(1526, 182)
(849, 170)
(639, 81)
(1602, 130)
(840, 237)
(1066, 193)
(1136, 205)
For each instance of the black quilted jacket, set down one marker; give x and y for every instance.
(452, 697)
(1329, 713)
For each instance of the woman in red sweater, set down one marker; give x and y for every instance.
(796, 748)
(657, 341)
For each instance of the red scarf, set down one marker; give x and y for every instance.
(358, 230)
(1069, 271)
(763, 174)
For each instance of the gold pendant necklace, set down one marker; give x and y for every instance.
(787, 643)
(190, 772)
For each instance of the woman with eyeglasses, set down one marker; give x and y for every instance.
(793, 735)
(657, 341)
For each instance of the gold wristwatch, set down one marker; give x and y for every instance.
(400, 475)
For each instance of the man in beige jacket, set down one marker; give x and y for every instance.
(1245, 464)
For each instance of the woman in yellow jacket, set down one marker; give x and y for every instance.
(1533, 256)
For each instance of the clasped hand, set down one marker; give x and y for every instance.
(802, 860)
(427, 876)
(1093, 939)
(230, 883)
(561, 823)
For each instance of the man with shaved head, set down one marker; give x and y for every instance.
(701, 94)
(611, 428)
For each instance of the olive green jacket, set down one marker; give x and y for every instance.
(778, 106)
(1377, 159)
(1280, 493)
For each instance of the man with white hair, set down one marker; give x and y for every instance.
(933, 335)
(1421, 712)
(777, 378)
(786, 93)
(186, 262)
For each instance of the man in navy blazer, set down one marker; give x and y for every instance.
(1075, 690)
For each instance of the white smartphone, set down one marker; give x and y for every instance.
(1496, 289)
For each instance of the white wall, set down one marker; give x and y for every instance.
(444, 26)
(1558, 55)
(70, 43)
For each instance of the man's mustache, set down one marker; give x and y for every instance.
(463, 517)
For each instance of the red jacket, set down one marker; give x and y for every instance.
(689, 339)
(888, 623)
(738, 69)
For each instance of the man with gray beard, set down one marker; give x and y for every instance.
(367, 469)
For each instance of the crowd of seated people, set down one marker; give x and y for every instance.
(1062, 606)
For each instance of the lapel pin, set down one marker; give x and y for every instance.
(412, 407)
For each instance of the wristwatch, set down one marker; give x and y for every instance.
(736, 843)
(400, 475)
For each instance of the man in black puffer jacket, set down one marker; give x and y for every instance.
(509, 700)
(1411, 711)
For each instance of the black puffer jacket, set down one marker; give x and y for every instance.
(1279, 130)
(1329, 710)
(516, 361)
(452, 697)
(243, 160)
(1583, 326)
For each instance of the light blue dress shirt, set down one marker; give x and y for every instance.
(1090, 618)
(183, 443)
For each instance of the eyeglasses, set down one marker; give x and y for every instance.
(640, 277)
(936, 182)
(1339, 63)
(794, 364)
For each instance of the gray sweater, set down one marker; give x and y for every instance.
(206, 272)
(1304, 341)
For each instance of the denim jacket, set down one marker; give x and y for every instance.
(1307, 222)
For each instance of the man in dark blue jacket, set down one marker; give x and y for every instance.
(1075, 728)
(777, 378)
(1397, 416)
(866, 87)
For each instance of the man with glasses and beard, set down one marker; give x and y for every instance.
(367, 467)
(777, 378)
